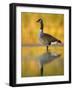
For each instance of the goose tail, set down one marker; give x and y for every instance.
(60, 42)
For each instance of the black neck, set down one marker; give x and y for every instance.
(41, 27)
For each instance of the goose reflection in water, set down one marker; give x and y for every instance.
(33, 65)
(47, 58)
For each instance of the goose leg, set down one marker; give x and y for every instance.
(42, 70)
(47, 48)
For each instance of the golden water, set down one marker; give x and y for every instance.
(30, 64)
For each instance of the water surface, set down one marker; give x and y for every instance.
(34, 57)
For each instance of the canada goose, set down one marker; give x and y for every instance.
(46, 39)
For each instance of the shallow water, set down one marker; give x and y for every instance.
(34, 57)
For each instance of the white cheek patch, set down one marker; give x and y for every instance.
(53, 43)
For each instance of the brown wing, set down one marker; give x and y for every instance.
(49, 38)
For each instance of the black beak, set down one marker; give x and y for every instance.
(38, 20)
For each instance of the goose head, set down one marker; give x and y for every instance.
(40, 20)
